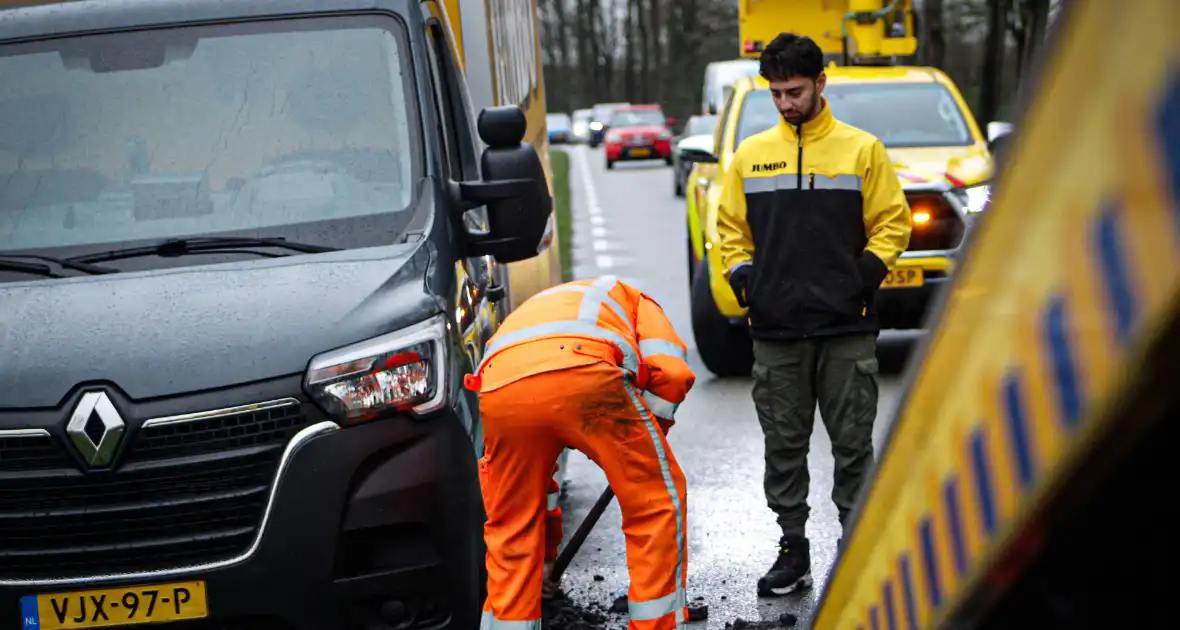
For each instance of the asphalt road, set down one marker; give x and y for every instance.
(628, 223)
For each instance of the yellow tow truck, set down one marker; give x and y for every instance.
(1027, 481)
(938, 149)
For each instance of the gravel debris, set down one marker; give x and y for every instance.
(785, 620)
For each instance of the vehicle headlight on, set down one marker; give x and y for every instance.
(596, 126)
(613, 137)
(976, 198)
(402, 371)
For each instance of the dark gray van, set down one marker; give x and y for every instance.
(241, 279)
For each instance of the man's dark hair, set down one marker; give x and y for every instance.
(790, 56)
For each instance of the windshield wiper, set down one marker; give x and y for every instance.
(176, 247)
(15, 262)
(34, 268)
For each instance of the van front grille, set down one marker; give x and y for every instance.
(184, 493)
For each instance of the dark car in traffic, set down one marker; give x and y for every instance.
(242, 274)
(696, 139)
(600, 116)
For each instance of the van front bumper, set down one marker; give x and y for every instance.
(374, 523)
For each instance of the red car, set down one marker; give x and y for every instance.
(638, 132)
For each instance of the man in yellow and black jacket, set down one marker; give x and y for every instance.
(812, 218)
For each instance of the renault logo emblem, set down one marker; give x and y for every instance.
(96, 429)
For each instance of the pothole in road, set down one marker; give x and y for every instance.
(561, 613)
(785, 620)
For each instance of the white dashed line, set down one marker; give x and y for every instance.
(600, 244)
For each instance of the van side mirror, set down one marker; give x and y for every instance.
(997, 144)
(696, 155)
(514, 189)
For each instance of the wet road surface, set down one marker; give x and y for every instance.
(628, 223)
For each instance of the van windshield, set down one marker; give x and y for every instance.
(295, 129)
(902, 115)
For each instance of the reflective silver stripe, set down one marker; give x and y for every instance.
(652, 347)
(662, 408)
(786, 181)
(654, 609)
(739, 266)
(489, 622)
(577, 328)
(575, 288)
(554, 497)
(598, 294)
(669, 483)
(790, 181)
(839, 182)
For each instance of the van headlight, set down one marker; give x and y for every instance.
(400, 372)
(976, 198)
(614, 138)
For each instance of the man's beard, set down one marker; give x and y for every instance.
(804, 116)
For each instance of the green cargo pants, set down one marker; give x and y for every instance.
(790, 377)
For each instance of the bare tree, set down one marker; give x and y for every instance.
(933, 44)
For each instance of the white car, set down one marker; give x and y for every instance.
(581, 130)
(696, 139)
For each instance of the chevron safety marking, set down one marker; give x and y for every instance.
(1070, 278)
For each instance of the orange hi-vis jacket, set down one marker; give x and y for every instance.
(617, 321)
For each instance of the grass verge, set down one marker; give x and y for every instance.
(559, 161)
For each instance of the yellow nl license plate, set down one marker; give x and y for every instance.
(640, 152)
(904, 277)
(111, 607)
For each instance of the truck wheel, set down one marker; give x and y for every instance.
(692, 262)
(725, 349)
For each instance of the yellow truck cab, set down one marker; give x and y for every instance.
(938, 149)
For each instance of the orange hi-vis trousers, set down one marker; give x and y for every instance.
(553, 517)
(597, 410)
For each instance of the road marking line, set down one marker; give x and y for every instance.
(588, 185)
(597, 220)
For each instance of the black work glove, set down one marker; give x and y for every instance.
(739, 279)
(872, 272)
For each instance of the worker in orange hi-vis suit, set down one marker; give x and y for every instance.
(593, 365)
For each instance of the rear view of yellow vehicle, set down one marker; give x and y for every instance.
(936, 145)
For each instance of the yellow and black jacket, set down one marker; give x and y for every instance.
(819, 213)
